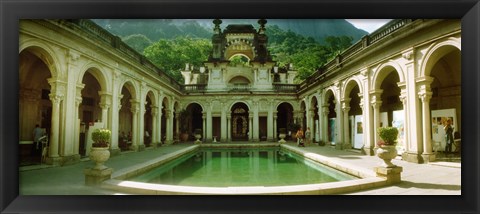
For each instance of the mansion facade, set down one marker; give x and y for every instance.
(75, 77)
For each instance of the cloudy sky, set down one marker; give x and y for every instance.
(368, 25)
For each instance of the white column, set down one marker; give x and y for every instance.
(209, 125)
(204, 125)
(169, 130)
(376, 104)
(159, 121)
(78, 100)
(177, 127)
(154, 133)
(275, 135)
(105, 102)
(270, 123)
(425, 95)
(256, 127)
(229, 128)
(135, 111)
(325, 123)
(76, 143)
(224, 126)
(250, 127)
(346, 130)
(54, 133)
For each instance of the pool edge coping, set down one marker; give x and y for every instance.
(367, 178)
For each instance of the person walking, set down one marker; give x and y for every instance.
(37, 134)
(448, 136)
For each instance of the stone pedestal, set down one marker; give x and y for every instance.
(412, 157)
(393, 175)
(428, 157)
(56, 161)
(95, 176)
(114, 152)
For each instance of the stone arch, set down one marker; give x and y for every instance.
(230, 51)
(131, 87)
(435, 52)
(329, 91)
(239, 101)
(98, 73)
(35, 106)
(44, 52)
(349, 85)
(250, 81)
(152, 95)
(240, 121)
(383, 71)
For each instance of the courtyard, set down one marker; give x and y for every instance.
(442, 177)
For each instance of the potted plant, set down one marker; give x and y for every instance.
(184, 118)
(99, 151)
(386, 147)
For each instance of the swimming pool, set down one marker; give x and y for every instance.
(232, 167)
(122, 182)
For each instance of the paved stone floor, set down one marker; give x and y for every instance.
(442, 177)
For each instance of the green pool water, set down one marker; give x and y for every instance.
(241, 167)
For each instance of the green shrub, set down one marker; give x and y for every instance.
(388, 135)
(101, 137)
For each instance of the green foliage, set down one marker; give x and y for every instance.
(306, 54)
(101, 137)
(238, 60)
(170, 52)
(172, 55)
(137, 41)
(388, 135)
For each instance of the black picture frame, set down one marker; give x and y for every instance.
(12, 11)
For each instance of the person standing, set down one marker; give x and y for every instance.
(37, 134)
(448, 136)
(300, 136)
(307, 136)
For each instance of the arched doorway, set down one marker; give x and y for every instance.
(331, 118)
(240, 122)
(127, 110)
(285, 119)
(35, 106)
(355, 116)
(148, 120)
(445, 103)
(89, 111)
(196, 122)
(163, 120)
(315, 127)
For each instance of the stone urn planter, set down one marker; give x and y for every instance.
(99, 152)
(386, 147)
(99, 155)
(198, 135)
(387, 153)
(282, 137)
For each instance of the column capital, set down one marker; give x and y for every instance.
(425, 96)
(56, 98)
(376, 104)
(78, 100)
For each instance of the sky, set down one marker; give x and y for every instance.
(368, 25)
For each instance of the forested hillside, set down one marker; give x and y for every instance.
(169, 44)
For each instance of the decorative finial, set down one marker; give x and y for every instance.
(262, 23)
(217, 23)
